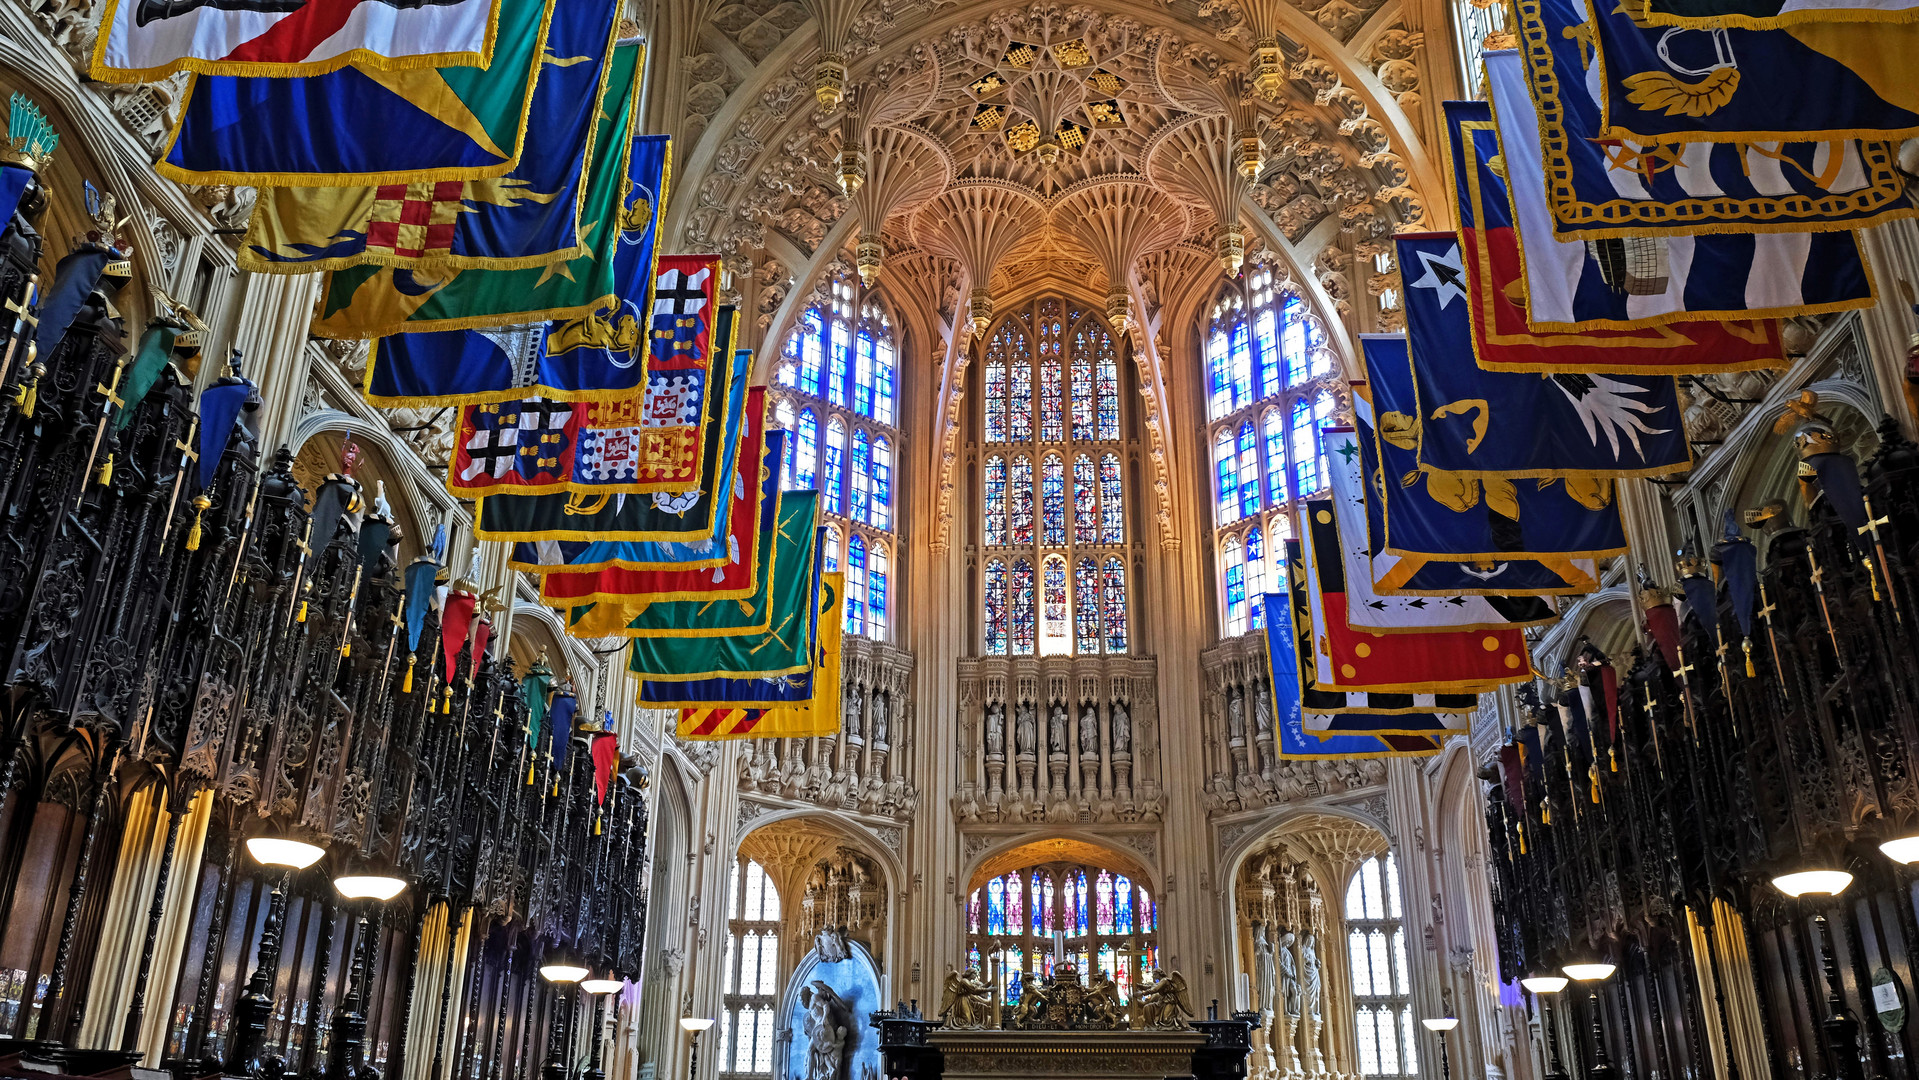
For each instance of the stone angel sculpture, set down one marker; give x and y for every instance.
(1163, 1004)
(967, 1002)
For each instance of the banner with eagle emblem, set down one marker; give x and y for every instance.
(355, 127)
(529, 217)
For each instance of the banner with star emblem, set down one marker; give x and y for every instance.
(817, 712)
(1815, 81)
(1474, 422)
(694, 515)
(1514, 538)
(147, 40)
(355, 127)
(640, 444)
(529, 217)
(1616, 187)
(755, 507)
(1289, 728)
(623, 192)
(1367, 608)
(1580, 282)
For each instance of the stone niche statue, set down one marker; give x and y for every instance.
(1025, 728)
(1122, 728)
(1088, 731)
(879, 708)
(829, 1029)
(831, 944)
(1056, 730)
(1265, 974)
(996, 730)
(1288, 973)
(1309, 961)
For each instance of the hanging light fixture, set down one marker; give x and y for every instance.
(563, 968)
(1544, 984)
(369, 879)
(1588, 971)
(604, 985)
(1812, 879)
(1902, 849)
(283, 850)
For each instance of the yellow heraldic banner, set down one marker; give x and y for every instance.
(820, 715)
(529, 217)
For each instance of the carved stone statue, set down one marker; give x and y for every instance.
(967, 1002)
(828, 1029)
(1263, 710)
(879, 716)
(1025, 728)
(1056, 729)
(1288, 973)
(996, 730)
(1265, 974)
(850, 710)
(1163, 1003)
(1122, 728)
(1309, 960)
(830, 943)
(1088, 732)
(1235, 713)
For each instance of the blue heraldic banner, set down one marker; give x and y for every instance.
(1713, 275)
(1476, 423)
(1602, 187)
(1810, 82)
(1294, 742)
(692, 522)
(1518, 538)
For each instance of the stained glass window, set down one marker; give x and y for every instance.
(995, 644)
(1078, 911)
(1019, 400)
(1248, 470)
(1123, 892)
(1306, 423)
(885, 375)
(832, 483)
(862, 477)
(1086, 606)
(1085, 501)
(1115, 574)
(856, 584)
(1232, 560)
(1112, 510)
(972, 927)
(1240, 364)
(1054, 632)
(752, 975)
(1267, 348)
(1083, 425)
(1051, 417)
(830, 559)
(1226, 462)
(1293, 342)
(787, 421)
(994, 402)
(1021, 608)
(1020, 499)
(1053, 501)
(863, 372)
(1045, 885)
(806, 461)
(840, 344)
(812, 355)
(1220, 401)
(1275, 438)
(1107, 372)
(1118, 941)
(1103, 902)
(882, 483)
(995, 499)
(1255, 578)
(996, 906)
(878, 564)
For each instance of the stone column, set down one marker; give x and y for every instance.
(269, 326)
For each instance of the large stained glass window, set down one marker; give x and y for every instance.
(878, 565)
(1269, 375)
(751, 979)
(856, 584)
(1053, 480)
(837, 392)
(996, 640)
(1382, 981)
(1020, 925)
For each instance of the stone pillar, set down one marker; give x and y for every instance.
(269, 326)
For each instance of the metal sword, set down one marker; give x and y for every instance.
(112, 395)
(23, 317)
(1773, 639)
(1872, 525)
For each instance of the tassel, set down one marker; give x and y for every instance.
(407, 686)
(529, 774)
(346, 648)
(596, 824)
(200, 504)
(1750, 673)
(556, 785)
(1872, 576)
(28, 397)
(106, 471)
(1522, 841)
(302, 617)
(1613, 753)
(1592, 773)
(1546, 812)
(446, 703)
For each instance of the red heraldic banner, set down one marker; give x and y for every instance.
(145, 40)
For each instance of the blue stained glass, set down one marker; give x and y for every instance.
(1292, 340)
(862, 477)
(1219, 374)
(1052, 426)
(855, 584)
(1103, 904)
(995, 403)
(839, 363)
(1275, 435)
(996, 907)
(1107, 387)
(1305, 452)
(1021, 609)
(1108, 961)
(863, 374)
(1322, 415)
(1015, 974)
(1115, 574)
(806, 465)
(1248, 470)
(1085, 501)
(885, 373)
(1240, 364)
(876, 573)
(1053, 619)
(1078, 929)
(1083, 425)
(1020, 500)
(1072, 897)
(1053, 500)
(1086, 607)
(1123, 905)
(1039, 904)
(882, 483)
(995, 608)
(1044, 885)
(1256, 577)
(1232, 556)
(812, 357)
(832, 482)
(832, 557)
(1019, 397)
(1267, 348)
(1227, 464)
(1112, 509)
(995, 499)
(972, 954)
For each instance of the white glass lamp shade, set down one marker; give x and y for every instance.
(284, 851)
(1441, 1024)
(1592, 972)
(1817, 882)
(563, 972)
(1544, 984)
(601, 986)
(369, 886)
(1905, 849)
(696, 1024)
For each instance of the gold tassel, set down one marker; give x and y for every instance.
(346, 648)
(1592, 773)
(302, 617)
(200, 504)
(446, 703)
(1522, 841)
(407, 686)
(106, 471)
(1613, 753)
(28, 397)
(556, 785)
(1872, 576)
(596, 824)
(1546, 812)
(1750, 673)
(529, 774)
